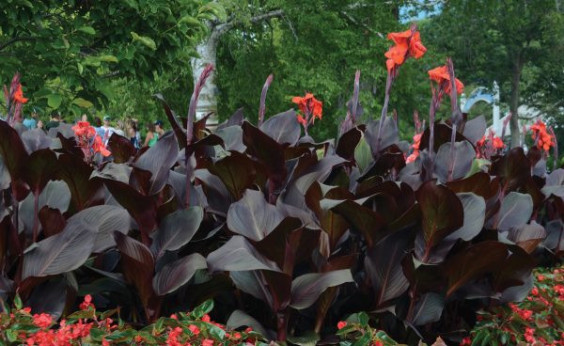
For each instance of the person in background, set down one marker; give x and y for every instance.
(31, 123)
(54, 122)
(119, 128)
(151, 137)
(132, 134)
(108, 131)
(40, 124)
(84, 118)
(137, 132)
(159, 128)
(98, 126)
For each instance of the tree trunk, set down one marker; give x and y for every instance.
(207, 51)
(514, 101)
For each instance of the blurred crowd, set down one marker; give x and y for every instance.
(105, 127)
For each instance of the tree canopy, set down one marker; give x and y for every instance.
(69, 52)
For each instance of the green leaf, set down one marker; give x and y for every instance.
(87, 29)
(147, 41)
(202, 309)
(54, 100)
(108, 58)
(18, 302)
(12, 335)
(362, 154)
(190, 21)
(79, 101)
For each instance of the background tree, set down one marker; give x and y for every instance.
(316, 47)
(517, 43)
(69, 52)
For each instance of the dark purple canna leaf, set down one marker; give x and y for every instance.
(333, 224)
(239, 318)
(252, 216)
(138, 266)
(554, 184)
(383, 264)
(176, 126)
(35, 139)
(40, 168)
(302, 179)
(428, 309)
(176, 230)
(473, 262)
(238, 254)
(555, 236)
(267, 151)
(273, 288)
(474, 216)
(49, 297)
(348, 143)
(236, 119)
(52, 221)
(308, 287)
(515, 270)
(475, 129)
(76, 173)
(69, 249)
(5, 178)
(237, 171)
(516, 210)
(232, 137)
(442, 135)
(478, 183)
(514, 168)
(158, 160)
(369, 223)
(281, 244)
(389, 134)
(142, 208)
(527, 236)
(442, 213)
(12, 150)
(456, 165)
(121, 148)
(176, 274)
(283, 128)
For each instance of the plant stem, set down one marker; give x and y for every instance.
(389, 81)
(262, 106)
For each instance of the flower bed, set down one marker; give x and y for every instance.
(289, 236)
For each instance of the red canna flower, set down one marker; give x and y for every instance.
(341, 324)
(407, 43)
(18, 95)
(442, 77)
(542, 138)
(416, 143)
(310, 107)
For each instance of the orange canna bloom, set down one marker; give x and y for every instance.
(441, 76)
(99, 147)
(18, 95)
(541, 136)
(309, 106)
(83, 128)
(407, 43)
(416, 143)
(498, 143)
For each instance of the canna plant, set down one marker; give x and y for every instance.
(287, 235)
